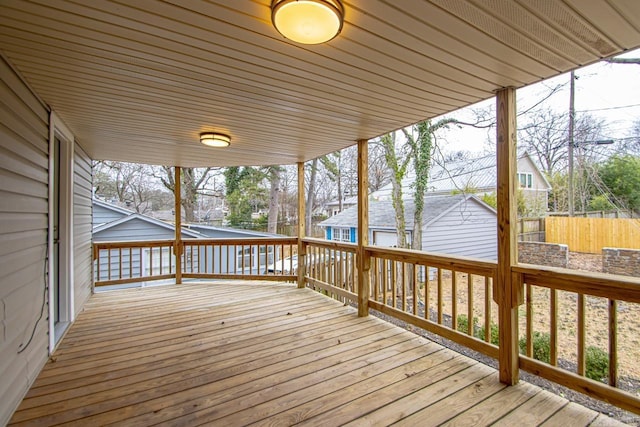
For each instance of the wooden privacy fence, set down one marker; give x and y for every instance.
(590, 235)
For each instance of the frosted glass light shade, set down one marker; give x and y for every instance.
(307, 21)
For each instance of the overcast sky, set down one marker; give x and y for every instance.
(609, 91)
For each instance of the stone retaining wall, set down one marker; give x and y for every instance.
(549, 254)
(625, 262)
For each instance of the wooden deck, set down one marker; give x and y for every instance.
(237, 353)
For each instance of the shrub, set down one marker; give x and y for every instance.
(463, 323)
(541, 346)
(494, 335)
(597, 363)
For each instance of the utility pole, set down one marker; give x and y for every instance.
(572, 118)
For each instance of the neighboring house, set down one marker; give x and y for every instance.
(479, 176)
(452, 224)
(113, 223)
(250, 257)
(333, 208)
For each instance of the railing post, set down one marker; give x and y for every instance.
(508, 287)
(177, 247)
(364, 260)
(301, 227)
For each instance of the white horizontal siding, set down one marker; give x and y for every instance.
(469, 230)
(82, 227)
(23, 238)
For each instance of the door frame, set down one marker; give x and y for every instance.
(57, 129)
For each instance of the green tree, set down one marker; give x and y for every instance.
(621, 175)
(245, 195)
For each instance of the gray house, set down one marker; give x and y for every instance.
(452, 224)
(114, 223)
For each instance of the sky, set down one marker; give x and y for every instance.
(608, 91)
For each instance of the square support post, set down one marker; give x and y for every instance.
(508, 291)
(301, 227)
(364, 260)
(177, 246)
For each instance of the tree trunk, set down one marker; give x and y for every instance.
(272, 220)
(312, 186)
(398, 169)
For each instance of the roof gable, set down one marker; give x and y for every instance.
(382, 213)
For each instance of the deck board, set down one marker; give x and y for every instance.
(239, 353)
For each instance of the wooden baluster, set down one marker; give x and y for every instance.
(394, 284)
(529, 331)
(98, 266)
(487, 309)
(385, 278)
(581, 336)
(470, 302)
(405, 284)
(454, 301)
(414, 278)
(440, 295)
(553, 346)
(427, 288)
(613, 343)
(120, 275)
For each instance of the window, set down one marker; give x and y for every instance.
(254, 256)
(525, 179)
(341, 234)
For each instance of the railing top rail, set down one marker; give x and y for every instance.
(241, 241)
(133, 243)
(595, 284)
(330, 244)
(447, 262)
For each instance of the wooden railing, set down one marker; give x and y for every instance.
(259, 258)
(450, 296)
(331, 268)
(557, 299)
(117, 263)
(249, 259)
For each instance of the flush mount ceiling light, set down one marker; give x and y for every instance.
(213, 139)
(307, 21)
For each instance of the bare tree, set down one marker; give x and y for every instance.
(397, 159)
(194, 180)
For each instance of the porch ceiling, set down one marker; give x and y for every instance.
(138, 81)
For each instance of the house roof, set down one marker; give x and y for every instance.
(139, 81)
(210, 229)
(479, 174)
(114, 208)
(151, 221)
(382, 214)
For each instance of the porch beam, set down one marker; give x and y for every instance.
(177, 248)
(301, 226)
(363, 258)
(507, 289)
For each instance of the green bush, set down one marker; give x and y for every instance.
(463, 323)
(494, 335)
(478, 331)
(541, 346)
(597, 363)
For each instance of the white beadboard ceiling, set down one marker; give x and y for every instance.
(138, 80)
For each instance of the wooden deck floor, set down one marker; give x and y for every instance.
(239, 353)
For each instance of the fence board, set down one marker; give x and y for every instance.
(590, 235)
